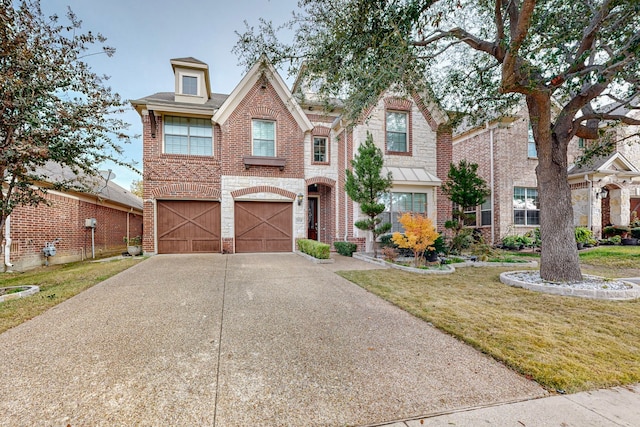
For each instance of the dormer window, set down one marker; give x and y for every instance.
(189, 85)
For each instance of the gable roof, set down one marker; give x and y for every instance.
(262, 68)
(613, 164)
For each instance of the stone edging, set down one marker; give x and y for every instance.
(373, 260)
(606, 294)
(29, 291)
(495, 264)
(314, 259)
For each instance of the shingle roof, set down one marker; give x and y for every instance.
(215, 101)
(189, 59)
(96, 185)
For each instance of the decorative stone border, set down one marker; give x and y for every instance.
(633, 292)
(314, 259)
(29, 291)
(448, 270)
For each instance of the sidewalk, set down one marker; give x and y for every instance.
(618, 406)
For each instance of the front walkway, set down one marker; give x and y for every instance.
(238, 340)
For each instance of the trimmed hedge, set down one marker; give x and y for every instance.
(314, 248)
(635, 232)
(345, 248)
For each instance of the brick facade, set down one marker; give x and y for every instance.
(500, 149)
(232, 173)
(64, 219)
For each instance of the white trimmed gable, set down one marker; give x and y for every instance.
(263, 69)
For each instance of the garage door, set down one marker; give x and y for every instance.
(263, 226)
(188, 226)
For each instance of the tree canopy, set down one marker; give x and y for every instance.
(53, 107)
(573, 63)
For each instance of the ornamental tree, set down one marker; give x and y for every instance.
(571, 62)
(419, 235)
(465, 189)
(53, 107)
(366, 185)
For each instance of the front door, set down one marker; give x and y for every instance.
(312, 228)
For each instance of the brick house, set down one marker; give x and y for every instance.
(255, 170)
(117, 212)
(505, 152)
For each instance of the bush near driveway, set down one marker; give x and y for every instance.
(566, 344)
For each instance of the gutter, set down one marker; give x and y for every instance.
(7, 240)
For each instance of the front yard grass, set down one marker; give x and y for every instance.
(566, 344)
(57, 283)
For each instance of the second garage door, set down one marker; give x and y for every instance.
(186, 226)
(263, 226)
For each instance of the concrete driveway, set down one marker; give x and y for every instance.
(238, 340)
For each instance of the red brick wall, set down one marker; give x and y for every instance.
(444, 154)
(64, 219)
(262, 103)
(174, 176)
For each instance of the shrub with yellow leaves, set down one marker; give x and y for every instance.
(419, 235)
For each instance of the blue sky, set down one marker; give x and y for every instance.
(147, 34)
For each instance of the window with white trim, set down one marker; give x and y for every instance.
(188, 135)
(526, 207)
(320, 149)
(397, 131)
(189, 85)
(532, 152)
(397, 204)
(486, 213)
(264, 138)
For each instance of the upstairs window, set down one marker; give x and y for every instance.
(526, 208)
(186, 135)
(397, 131)
(189, 85)
(532, 153)
(320, 152)
(264, 138)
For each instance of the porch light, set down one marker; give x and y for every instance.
(603, 193)
(300, 198)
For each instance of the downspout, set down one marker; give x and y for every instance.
(493, 214)
(589, 219)
(7, 240)
(346, 198)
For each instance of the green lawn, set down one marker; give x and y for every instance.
(57, 283)
(564, 343)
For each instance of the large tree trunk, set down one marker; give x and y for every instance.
(559, 255)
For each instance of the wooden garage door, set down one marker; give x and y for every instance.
(263, 226)
(188, 226)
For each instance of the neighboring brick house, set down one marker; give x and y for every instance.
(255, 170)
(117, 212)
(505, 153)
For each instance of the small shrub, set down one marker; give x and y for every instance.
(615, 230)
(345, 248)
(511, 242)
(635, 232)
(615, 240)
(314, 248)
(583, 235)
(389, 254)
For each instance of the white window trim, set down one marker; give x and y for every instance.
(406, 130)
(275, 136)
(164, 142)
(180, 87)
(326, 149)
